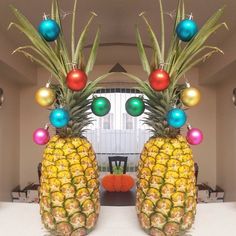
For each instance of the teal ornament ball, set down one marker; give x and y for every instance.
(49, 30)
(100, 106)
(135, 106)
(176, 118)
(186, 30)
(59, 117)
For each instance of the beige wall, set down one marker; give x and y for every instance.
(9, 139)
(33, 116)
(15, 66)
(226, 138)
(203, 117)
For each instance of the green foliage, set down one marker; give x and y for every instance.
(118, 170)
(142, 53)
(179, 59)
(58, 61)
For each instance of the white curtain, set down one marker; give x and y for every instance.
(118, 133)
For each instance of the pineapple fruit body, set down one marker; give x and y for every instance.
(69, 193)
(166, 193)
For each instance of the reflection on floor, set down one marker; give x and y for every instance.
(117, 199)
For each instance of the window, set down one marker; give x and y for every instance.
(118, 133)
(106, 122)
(128, 121)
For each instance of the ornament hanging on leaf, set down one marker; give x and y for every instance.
(187, 29)
(176, 118)
(59, 117)
(49, 29)
(159, 79)
(45, 96)
(190, 96)
(76, 79)
(135, 106)
(100, 106)
(194, 136)
(41, 136)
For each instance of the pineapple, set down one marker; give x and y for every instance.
(69, 192)
(166, 192)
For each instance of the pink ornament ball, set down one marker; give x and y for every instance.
(194, 136)
(41, 136)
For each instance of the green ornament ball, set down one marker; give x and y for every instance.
(135, 106)
(100, 106)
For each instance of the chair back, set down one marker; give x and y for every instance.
(39, 171)
(196, 170)
(118, 161)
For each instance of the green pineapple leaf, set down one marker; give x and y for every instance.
(142, 53)
(80, 45)
(73, 28)
(181, 57)
(61, 48)
(93, 53)
(55, 58)
(155, 43)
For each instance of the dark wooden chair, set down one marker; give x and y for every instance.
(39, 171)
(118, 199)
(196, 170)
(118, 161)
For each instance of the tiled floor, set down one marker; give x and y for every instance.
(117, 199)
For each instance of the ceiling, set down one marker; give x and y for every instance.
(117, 18)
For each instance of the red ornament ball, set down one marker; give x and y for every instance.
(159, 80)
(76, 80)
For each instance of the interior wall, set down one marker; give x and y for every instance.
(9, 138)
(226, 137)
(203, 116)
(32, 116)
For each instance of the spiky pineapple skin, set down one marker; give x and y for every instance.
(166, 193)
(69, 192)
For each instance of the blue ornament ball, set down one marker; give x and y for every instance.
(176, 118)
(186, 29)
(59, 117)
(49, 30)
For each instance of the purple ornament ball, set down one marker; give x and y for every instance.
(41, 136)
(194, 136)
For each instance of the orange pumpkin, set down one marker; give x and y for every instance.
(117, 182)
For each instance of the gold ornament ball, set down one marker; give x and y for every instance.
(190, 97)
(45, 97)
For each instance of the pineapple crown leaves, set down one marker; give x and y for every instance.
(57, 59)
(180, 58)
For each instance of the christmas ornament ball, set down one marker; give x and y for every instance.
(190, 96)
(176, 118)
(41, 136)
(76, 80)
(186, 30)
(45, 97)
(59, 117)
(159, 80)
(194, 136)
(49, 29)
(135, 106)
(100, 106)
